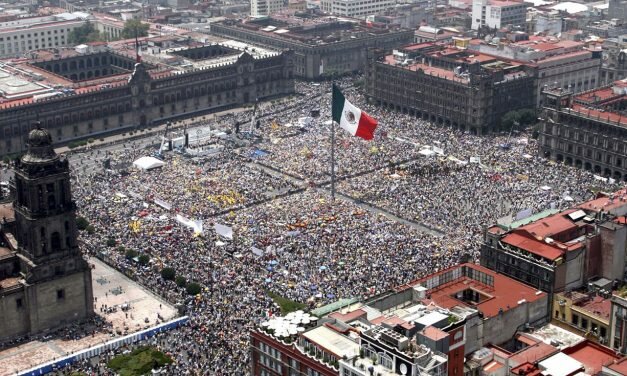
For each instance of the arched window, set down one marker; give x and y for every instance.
(52, 202)
(55, 241)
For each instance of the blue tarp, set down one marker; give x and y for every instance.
(258, 153)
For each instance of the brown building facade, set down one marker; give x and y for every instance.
(270, 357)
(587, 130)
(453, 91)
(322, 48)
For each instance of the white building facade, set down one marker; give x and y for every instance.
(497, 14)
(355, 8)
(260, 8)
(24, 35)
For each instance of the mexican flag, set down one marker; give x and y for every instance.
(351, 118)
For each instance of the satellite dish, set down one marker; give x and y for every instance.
(403, 369)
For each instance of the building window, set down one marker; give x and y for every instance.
(575, 320)
(60, 294)
(18, 303)
(584, 323)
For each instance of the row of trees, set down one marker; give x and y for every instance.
(523, 117)
(169, 274)
(89, 33)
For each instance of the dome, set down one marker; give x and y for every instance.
(39, 137)
(40, 148)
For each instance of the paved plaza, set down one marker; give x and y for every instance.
(112, 290)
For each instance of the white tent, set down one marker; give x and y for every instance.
(148, 163)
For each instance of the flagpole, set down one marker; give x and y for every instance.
(332, 160)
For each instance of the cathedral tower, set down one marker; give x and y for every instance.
(56, 278)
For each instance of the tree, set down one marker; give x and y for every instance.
(522, 117)
(509, 120)
(168, 274)
(180, 281)
(193, 288)
(144, 259)
(84, 34)
(130, 254)
(82, 223)
(111, 242)
(527, 116)
(134, 27)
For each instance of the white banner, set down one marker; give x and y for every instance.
(224, 231)
(162, 203)
(257, 252)
(194, 225)
(523, 214)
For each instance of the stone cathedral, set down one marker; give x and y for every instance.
(45, 282)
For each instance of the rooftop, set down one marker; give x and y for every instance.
(619, 366)
(532, 218)
(310, 29)
(554, 334)
(4, 252)
(560, 364)
(332, 342)
(593, 356)
(9, 282)
(534, 351)
(7, 212)
(534, 246)
(428, 70)
(552, 236)
(27, 80)
(597, 306)
(503, 3)
(614, 203)
(498, 293)
(434, 333)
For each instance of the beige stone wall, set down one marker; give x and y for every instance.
(47, 311)
(13, 320)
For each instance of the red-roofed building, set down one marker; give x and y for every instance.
(615, 368)
(552, 254)
(504, 305)
(597, 114)
(564, 250)
(517, 354)
(592, 355)
(585, 313)
(442, 77)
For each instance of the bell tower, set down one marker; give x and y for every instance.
(57, 278)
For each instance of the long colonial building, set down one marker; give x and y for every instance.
(323, 46)
(587, 130)
(447, 86)
(103, 104)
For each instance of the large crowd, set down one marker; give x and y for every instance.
(300, 243)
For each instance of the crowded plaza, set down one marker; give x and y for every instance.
(258, 219)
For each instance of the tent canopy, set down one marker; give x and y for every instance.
(148, 163)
